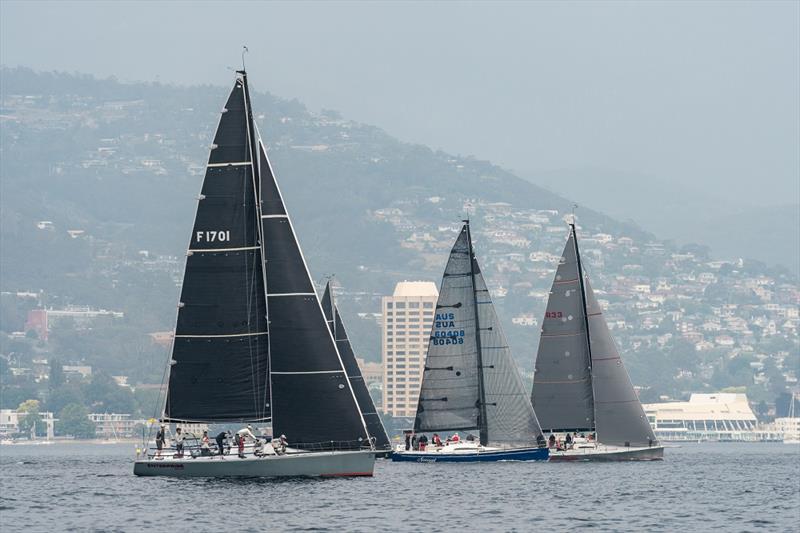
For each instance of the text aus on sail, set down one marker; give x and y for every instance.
(445, 331)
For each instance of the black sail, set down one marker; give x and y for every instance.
(365, 403)
(312, 399)
(219, 365)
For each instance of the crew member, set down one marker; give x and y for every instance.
(221, 443)
(205, 448)
(161, 437)
(178, 443)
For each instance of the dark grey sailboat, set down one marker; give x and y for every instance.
(580, 383)
(470, 381)
(373, 420)
(251, 342)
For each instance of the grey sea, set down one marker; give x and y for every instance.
(699, 487)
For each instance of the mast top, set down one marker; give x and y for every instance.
(243, 72)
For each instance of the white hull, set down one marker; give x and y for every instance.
(304, 464)
(602, 452)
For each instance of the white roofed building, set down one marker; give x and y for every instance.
(720, 416)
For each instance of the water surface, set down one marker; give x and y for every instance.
(699, 487)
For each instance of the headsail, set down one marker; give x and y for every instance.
(365, 403)
(219, 362)
(562, 384)
(509, 414)
(312, 399)
(621, 420)
(470, 379)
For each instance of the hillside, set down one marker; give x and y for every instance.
(99, 180)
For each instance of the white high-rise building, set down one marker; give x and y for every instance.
(407, 318)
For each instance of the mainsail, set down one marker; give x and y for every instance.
(470, 379)
(580, 381)
(365, 403)
(562, 392)
(251, 341)
(219, 364)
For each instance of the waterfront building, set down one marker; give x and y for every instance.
(718, 417)
(10, 418)
(114, 425)
(407, 319)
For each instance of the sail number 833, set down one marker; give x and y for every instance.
(213, 236)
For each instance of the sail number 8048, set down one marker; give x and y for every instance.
(213, 236)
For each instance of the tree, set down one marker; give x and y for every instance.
(30, 418)
(64, 395)
(105, 396)
(56, 374)
(73, 420)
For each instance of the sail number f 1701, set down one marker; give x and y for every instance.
(213, 236)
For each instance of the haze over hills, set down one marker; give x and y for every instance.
(98, 188)
(671, 210)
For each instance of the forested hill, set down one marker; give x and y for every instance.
(99, 186)
(76, 152)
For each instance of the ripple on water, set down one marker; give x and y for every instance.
(732, 486)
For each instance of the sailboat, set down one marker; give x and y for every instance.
(470, 381)
(377, 433)
(251, 343)
(580, 384)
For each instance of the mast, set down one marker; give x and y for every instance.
(585, 318)
(483, 426)
(255, 164)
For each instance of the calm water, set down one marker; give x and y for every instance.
(724, 487)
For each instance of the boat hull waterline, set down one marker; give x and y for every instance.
(609, 454)
(309, 464)
(519, 454)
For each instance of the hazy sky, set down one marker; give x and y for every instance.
(701, 94)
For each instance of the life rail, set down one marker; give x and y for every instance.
(196, 449)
